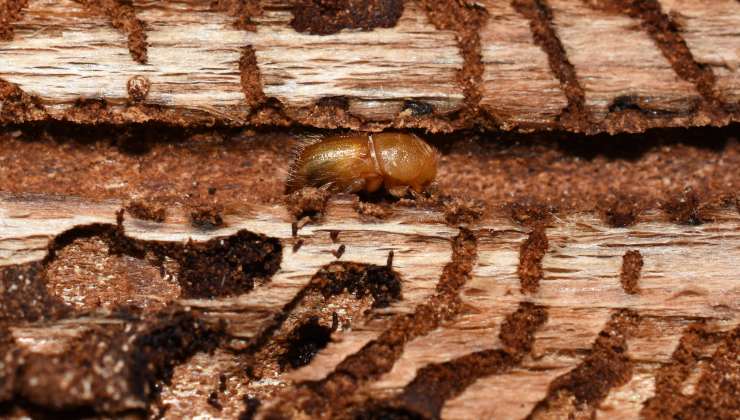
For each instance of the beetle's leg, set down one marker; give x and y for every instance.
(356, 185)
(326, 187)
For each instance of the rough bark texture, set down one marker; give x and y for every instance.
(562, 64)
(335, 336)
(151, 266)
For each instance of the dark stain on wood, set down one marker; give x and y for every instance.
(122, 15)
(304, 342)
(206, 216)
(10, 11)
(466, 19)
(437, 383)
(531, 253)
(669, 401)
(417, 108)
(18, 106)
(242, 10)
(686, 208)
(250, 77)
(25, 297)
(339, 251)
(325, 17)
(631, 268)
(143, 353)
(138, 88)
(538, 12)
(146, 211)
(378, 356)
(338, 102)
(334, 235)
(620, 210)
(219, 267)
(667, 36)
(297, 245)
(606, 367)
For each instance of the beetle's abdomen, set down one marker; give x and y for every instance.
(338, 162)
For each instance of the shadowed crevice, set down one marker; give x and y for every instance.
(326, 17)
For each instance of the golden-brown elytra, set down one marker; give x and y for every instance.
(364, 162)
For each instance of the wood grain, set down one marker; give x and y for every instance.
(614, 58)
(201, 68)
(689, 275)
(516, 91)
(62, 53)
(709, 31)
(376, 70)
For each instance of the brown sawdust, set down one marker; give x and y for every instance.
(709, 399)
(574, 115)
(631, 267)
(465, 19)
(87, 277)
(619, 177)
(667, 36)
(324, 17)
(437, 383)
(122, 16)
(10, 11)
(241, 168)
(578, 392)
(332, 394)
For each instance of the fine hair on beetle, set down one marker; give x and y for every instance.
(357, 162)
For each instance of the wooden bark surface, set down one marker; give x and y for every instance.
(375, 70)
(202, 68)
(690, 275)
(494, 320)
(614, 58)
(716, 50)
(516, 90)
